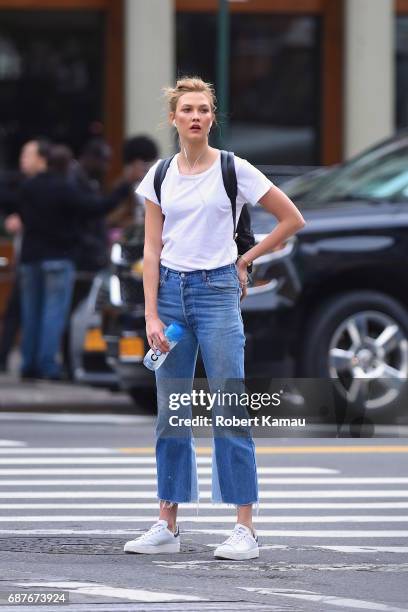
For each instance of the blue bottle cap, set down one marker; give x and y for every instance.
(174, 332)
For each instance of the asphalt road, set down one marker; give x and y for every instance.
(333, 522)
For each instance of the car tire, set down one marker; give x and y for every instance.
(321, 330)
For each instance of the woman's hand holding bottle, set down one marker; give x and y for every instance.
(155, 334)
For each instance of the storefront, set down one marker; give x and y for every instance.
(299, 85)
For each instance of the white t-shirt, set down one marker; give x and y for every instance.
(198, 226)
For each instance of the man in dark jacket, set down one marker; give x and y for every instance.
(89, 174)
(33, 159)
(53, 210)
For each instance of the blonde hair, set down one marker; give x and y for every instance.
(187, 85)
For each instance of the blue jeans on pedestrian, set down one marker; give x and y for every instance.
(46, 292)
(207, 304)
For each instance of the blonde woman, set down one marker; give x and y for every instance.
(192, 275)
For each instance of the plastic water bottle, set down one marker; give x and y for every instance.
(154, 358)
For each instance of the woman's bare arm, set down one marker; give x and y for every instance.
(290, 221)
(151, 256)
(151, 260)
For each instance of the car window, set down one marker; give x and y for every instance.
(380, 174)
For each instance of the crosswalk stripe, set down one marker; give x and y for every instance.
(218, 506)
(206, 519)
(74, 471)
(208, 506)
(69, 518)
(311, 533)
(123, 471)
(103, 590)
(84, 460)
(275, 533)
(204, 494)
(324, 600)
(277, 482)
(10, 444)
(59, 451)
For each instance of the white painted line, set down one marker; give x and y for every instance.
(99, 471)
(275, 518)
(65, 532)
(335, 481)
(204, 519)
(365, 549)
(203, 495)
(74, 471)
(59, 451)
(265, 533)
(85, 460)
(215, 506)
(151, 459)
(329, 600)
(103, 419)
(311, 533)
(342, 549)
(113, 482)
(11, 443)
(103, 590)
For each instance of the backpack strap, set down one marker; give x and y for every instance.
(160, 174)
(229, 177)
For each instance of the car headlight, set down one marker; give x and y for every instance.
(266, 271)
(116, 254)
(115, 293)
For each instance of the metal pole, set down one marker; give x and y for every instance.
(223, 60)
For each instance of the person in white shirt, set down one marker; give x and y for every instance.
(192, 275)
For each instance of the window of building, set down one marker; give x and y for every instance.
(401, 48)
(275, 88)
(51, 77)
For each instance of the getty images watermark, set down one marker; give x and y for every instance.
(253, 401)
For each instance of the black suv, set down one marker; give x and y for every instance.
(332, 303)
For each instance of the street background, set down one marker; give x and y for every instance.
(301, 84)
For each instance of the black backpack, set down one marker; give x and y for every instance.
(243, 234)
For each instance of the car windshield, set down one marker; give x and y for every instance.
(377, 175)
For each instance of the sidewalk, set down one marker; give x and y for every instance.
(16, 394)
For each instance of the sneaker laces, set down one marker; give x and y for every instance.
(153, 529)
(237, 535)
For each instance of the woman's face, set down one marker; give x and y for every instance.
(193, 116)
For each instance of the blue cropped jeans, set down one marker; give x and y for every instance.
(207, 304)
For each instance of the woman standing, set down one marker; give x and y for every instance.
(192, 276)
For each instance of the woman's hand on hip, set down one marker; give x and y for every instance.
(243, 277)
(244, 291)
(155, 334)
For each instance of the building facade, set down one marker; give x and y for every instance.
(311, 81)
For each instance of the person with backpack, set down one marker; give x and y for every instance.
(196, 259)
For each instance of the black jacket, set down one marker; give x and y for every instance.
(53, 210)
(92, 250)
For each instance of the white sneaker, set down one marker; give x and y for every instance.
(159, 539)
(239, 546)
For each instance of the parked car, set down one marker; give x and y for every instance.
(332, 304)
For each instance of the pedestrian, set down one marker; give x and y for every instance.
(89, 175)
(33, 159)
(52, 209)
(141, 152)
(192, 276)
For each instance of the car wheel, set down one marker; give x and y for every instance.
(144, 398)
(359, 339)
